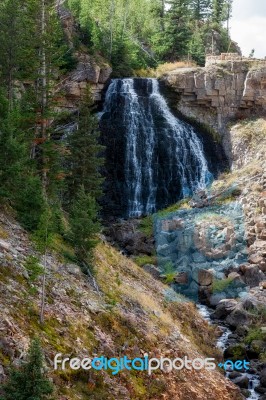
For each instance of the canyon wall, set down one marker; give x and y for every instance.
(219, 94)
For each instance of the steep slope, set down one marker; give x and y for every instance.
(126, 312)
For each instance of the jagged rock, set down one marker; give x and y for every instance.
(225, 307)
(238, 317)
(153, 270)
(249, 303)
(253, 275)
(182, 278)
(235, 277)
(203, 277)
(242, 381)
(216, 298)
(234, 374)
(255, 259)
(218, 94)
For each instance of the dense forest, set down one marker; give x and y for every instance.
(54, 184)
(136, 34)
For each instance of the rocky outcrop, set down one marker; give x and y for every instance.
(218, 94)
(88, 71)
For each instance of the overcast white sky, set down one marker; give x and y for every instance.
(248, 26)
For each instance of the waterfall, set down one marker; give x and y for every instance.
(154, 158)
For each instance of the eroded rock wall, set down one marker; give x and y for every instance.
(218, 94)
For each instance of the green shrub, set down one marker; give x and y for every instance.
(33, 267)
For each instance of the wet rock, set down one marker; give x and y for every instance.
(260, 389)
(242, 381)
(263, 378)
(246, 392)
(234, 374)
(233, 351)
(216, 298)
(225, 307)
(238, 317)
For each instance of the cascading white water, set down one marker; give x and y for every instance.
(164, 158)
(186, 141)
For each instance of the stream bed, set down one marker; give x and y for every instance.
(222, 344)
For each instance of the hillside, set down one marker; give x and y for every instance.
(131, 314)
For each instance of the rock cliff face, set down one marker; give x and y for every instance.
(218, 94)
(88, 71)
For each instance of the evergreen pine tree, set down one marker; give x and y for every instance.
(177, 31)
(200, 9)
(217, 10)
(84, 148)
(29, 382)
(84, 224)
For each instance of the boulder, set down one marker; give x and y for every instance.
(224, 308)
(257, 347)
(203, 277)
(237, 317)
(153, 270)
(249, 303)
(253, 275)
(216, 298)
(235, 351)
(242, 381)
(182, 278)
(242, 330)
(235, 277)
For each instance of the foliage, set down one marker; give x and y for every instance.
(146, 225)
(145, 259)
(220, 285)
(85, 160)
(84, 224)
(138, 35)
(255, 333)
(33, 267)
(29, 382)
(169, 272)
